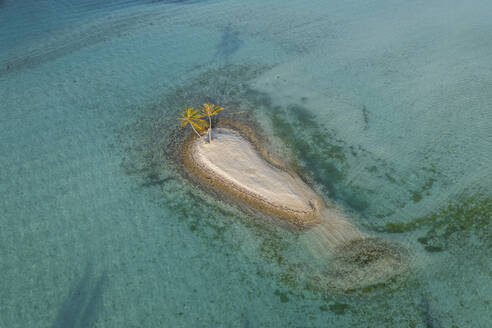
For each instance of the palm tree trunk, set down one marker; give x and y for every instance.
(209, 129)
(195, 130)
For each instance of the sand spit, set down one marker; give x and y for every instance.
(233, 165)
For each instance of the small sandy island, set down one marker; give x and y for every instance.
(232, 164)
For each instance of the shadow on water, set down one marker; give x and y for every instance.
(229, 43)
(83, 302)
(425, 310)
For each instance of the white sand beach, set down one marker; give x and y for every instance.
(231, 160)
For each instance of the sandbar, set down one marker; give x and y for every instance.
(236, 166)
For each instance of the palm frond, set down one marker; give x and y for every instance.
(193, 117)
(210, 109)
(200, 125)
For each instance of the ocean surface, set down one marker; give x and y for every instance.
(384, 106)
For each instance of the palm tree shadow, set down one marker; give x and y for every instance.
(230, 43)
(83, 302)
(428, 318)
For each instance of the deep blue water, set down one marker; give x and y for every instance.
(385, 106)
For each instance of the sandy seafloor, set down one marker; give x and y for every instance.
(386, 105)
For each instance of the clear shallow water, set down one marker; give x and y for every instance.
(386, 107)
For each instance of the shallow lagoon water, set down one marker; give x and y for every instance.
(384, 107)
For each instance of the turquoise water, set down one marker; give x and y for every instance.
(383, 105)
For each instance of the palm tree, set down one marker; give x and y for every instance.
(210, 110)
(192, 117)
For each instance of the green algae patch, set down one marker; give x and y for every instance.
(418, 195)
(325, 159)
(468, 214)
(338, 308)
(283, 296)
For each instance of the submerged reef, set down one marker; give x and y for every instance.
(366, 263)
(469, 214)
